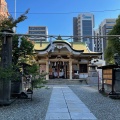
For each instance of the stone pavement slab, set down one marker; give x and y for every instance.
(65, 105)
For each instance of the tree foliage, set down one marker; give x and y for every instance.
(25, 49)
(113, 45)
(38, 80)
(10, 22)
(9, 73)
(23, 53)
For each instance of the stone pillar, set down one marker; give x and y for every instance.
(70, 69)
(6, 58)
(47, 70)
(6, 61)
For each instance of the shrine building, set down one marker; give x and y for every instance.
(64, 60)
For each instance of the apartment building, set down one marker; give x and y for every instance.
(39, 33)
(83, 26)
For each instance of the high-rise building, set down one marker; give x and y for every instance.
(98, 43)
(83, 26)
(75, 29)
(3, 10)
(39, 33)
(104, 28)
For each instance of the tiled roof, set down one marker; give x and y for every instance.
(74, 45)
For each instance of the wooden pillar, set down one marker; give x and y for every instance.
(39, 68)
(70, 69)
(47, 70)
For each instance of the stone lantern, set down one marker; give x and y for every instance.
(92, 74)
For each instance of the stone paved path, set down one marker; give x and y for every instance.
(65, 105)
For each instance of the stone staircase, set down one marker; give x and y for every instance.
(66, 82)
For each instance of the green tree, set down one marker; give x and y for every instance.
(38, 80)
(9, 23)
(25, 49)
(113, 43)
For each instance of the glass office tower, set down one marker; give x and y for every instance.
(83, 26)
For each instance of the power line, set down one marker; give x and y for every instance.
(68, 12)
(54, 36)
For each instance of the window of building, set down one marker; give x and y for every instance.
(109, 27)
(111, 22)
(83, 68)
(37, 28)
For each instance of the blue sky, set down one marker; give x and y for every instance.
(61, 24)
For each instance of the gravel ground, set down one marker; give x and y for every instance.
(104, 108)
(25, 109)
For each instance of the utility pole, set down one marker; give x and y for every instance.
(15, 9)
(14, 15)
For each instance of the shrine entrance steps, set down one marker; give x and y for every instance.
(66, 82)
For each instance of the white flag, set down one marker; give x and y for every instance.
(19, 42)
